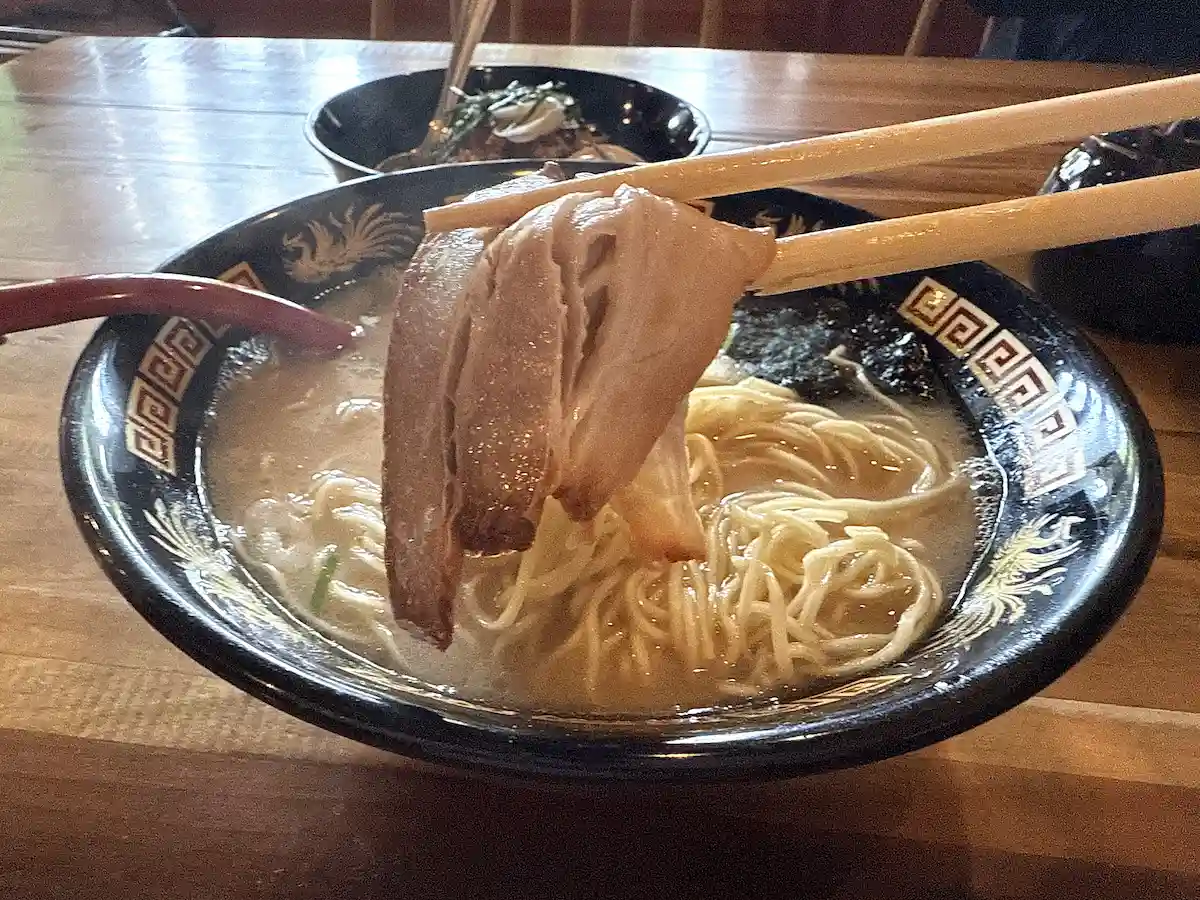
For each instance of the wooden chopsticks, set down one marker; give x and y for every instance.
(869, 150)
(982, 232)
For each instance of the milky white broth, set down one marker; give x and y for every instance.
(282, 418)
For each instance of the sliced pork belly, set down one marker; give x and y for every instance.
(420, 491)
(509, 403)
(579, 356)
(660, 294)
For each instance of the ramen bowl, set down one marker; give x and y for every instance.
(360, 127)
(1072, 524)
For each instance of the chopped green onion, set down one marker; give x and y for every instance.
(475, 110)
(728, 337)
(321, 589)
(537, 104)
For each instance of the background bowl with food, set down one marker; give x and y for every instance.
(507, 112)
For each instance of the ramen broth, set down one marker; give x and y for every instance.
(282, 420)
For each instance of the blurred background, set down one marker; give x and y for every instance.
(825, 26)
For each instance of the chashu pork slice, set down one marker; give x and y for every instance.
(583, 317)
(660, 280)
(420, 488)
(525, 339)
(553, 357)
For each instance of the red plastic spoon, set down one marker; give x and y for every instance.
(56, 301)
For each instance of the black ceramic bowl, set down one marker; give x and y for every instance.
(1075, 525)
(361, 127)
(1145, 286)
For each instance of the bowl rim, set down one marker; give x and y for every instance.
(702, 134)
(545, 752)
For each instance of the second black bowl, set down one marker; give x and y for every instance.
(359, 128)
(1145, 286)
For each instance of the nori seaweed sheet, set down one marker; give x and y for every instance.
(785, 340)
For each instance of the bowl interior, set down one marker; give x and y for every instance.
(1076, 517)
(362, 126)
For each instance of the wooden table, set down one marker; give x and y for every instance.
(127, 771)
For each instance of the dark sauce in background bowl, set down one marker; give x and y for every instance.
(1145, 287)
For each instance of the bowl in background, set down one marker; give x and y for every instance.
(362, 126)
(1074, 525)
(1145, 286)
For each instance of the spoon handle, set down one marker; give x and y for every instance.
(56, 301)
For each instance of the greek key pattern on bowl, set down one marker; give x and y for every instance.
(1021, 386)
(163, 376)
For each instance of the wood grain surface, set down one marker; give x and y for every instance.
(128, 771)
